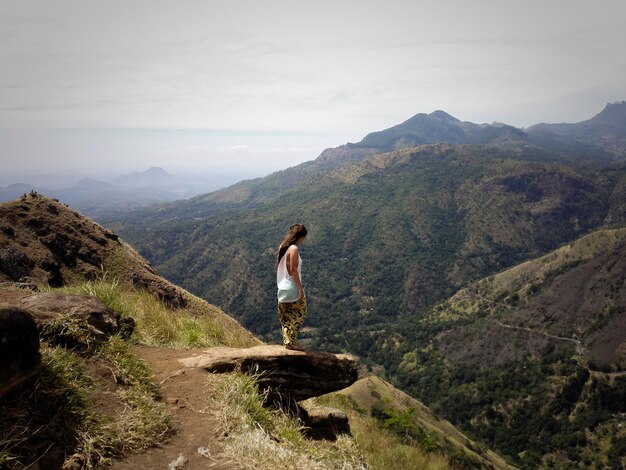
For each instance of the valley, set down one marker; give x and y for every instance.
(115, 381)
(403, 224)
(478, 268)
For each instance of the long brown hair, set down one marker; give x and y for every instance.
(296, 232)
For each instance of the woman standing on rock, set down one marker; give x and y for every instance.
(291, 298)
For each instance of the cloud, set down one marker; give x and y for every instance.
(235, 149)
(194, 149)
(242, 65)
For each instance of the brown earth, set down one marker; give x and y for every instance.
(186, 392)
(574, 295)
(12, 295)
(44, 242)
(586, 302)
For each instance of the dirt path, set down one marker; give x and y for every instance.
(12, 295)
(579, 349)
(537, 332)
(185, 393)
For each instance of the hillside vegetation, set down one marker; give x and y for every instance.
(530, 360)
(410, 419)
(390, 236)
(400, 222)
(101, 401)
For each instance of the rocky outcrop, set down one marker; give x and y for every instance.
(42, 241)
(19, 348)
(51, 309)
(15, 264)
(75, 462)
(286, 375)
(323, 422)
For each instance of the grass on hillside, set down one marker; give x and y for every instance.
(61, 412)
(513, 287)
(199, 325)
(266, 439)
(63, 407)
(407, 418)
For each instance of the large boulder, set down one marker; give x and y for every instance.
(287, 375)
(19, 348)
(50, 308)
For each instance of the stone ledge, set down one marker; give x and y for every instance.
(286, 375)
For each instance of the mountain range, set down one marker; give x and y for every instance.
(455, 213)
(96, 197)
(399, 224)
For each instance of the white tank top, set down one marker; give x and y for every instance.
(287, 288)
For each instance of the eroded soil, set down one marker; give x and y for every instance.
(185, 392)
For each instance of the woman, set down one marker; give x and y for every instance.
(291, 298)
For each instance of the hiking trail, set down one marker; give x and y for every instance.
(185, 391)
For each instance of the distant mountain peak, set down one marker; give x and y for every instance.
(155, 170)
(150, 172)
(616, 104)
(612, 111)
(439, 114)
(91, 183)
(153, 176)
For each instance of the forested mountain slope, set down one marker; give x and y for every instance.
(531, 360)
(606, 130)
(402, 221)
(96, 402)
(391, 235)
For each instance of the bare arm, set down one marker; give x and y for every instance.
(292, 268)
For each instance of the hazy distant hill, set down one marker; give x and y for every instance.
(13, 191)
(92, 184)
(98, 198)
(606, 130)
(539, 142)
(153, 177)
(435, 127)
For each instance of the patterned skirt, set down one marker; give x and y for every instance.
(291, 316)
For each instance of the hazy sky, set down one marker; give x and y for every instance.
(251, 86)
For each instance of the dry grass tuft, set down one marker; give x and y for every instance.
(383, 450)
(60, 408)
(199, 325)
(265, 438)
